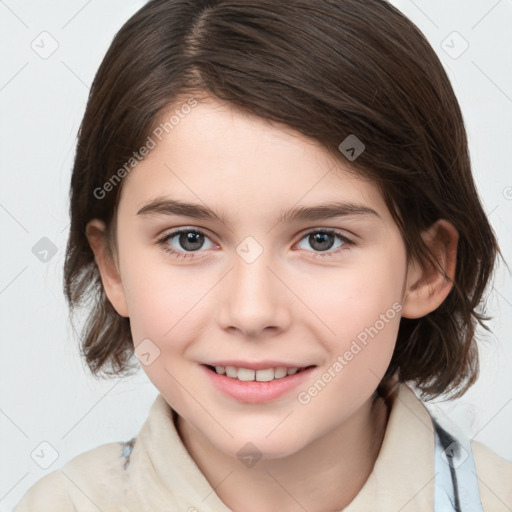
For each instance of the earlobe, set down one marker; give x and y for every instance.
(427, 287)
(110, 276)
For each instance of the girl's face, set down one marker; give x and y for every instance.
(284, 261)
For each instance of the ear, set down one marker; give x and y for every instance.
(110, 276)
(427, 287)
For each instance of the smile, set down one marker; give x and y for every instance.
(248, 375)
(256, 385)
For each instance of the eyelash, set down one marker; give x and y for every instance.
(183, 255)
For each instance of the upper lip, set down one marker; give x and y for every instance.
(256, 365)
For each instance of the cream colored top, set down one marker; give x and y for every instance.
(161, 476)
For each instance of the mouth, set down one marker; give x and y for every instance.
(256, 375)
(257, 382)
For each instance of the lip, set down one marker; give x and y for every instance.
(254, 392)
(255, 365)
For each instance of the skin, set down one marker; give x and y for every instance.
(289, 304)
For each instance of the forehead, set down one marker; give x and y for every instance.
(220, 156)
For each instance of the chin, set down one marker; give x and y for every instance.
(257, 446)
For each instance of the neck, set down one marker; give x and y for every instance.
(340, 461)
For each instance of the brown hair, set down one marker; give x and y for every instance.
(327, 69)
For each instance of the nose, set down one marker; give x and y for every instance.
(254, 301)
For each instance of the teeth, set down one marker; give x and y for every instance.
(280, 372)
(247, 375)
(265, 375)
(232, 372)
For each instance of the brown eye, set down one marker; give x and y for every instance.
(324, 240)
(190, 241)
(321, 241)
(184, 242)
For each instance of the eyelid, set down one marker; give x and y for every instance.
(185, 229)
(202, 231)
(348, 235)
(336, 232)
(196, 254)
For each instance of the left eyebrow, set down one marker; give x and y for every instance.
(325, 211)
(166, 206)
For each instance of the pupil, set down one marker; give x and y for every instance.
(321, 238)
(191, 238)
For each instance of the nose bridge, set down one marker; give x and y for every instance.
(254, 298)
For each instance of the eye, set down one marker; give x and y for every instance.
(182, 241)
(322, 240)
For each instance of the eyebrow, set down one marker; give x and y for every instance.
(166, 206)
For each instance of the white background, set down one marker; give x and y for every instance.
(46, 395)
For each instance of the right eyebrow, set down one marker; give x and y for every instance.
(166, 206)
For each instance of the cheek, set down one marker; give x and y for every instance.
(166, 315)
(166, 303)
(364, 314)
(355, 297)
(362, 311)
(158, 311)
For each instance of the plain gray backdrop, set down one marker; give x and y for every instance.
(51, 409)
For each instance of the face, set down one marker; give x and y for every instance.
(271, 281)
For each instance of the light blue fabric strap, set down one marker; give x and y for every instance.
(127, 450)
(456, 484)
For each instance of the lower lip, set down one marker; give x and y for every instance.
(254, 392)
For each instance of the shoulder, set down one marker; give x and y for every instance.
(48, 493)
(494, 475)
(90, 480)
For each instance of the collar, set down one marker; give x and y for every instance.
(162, 472)
(403, 477)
